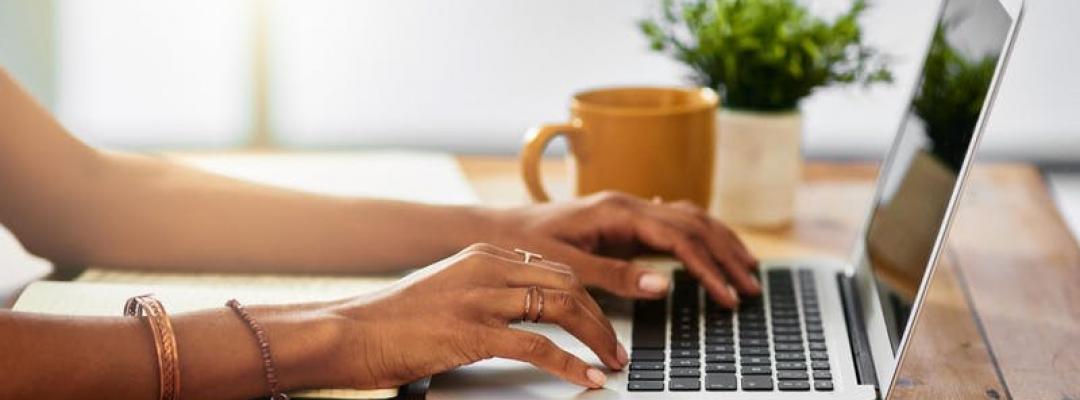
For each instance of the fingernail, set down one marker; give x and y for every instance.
(734, 294)
(755, 282)
(596, 376)
(653, 283)
(620, 353)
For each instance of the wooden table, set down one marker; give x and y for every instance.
(1003, 313)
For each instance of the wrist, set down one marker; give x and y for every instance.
(306, 343)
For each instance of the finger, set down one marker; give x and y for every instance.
(564, 309)
(691, 219)
(566, 281)
(742, 252)
(617, 276)
(544, 354)
(698, 260)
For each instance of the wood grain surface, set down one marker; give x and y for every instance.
(1002, 318)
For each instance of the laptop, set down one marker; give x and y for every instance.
(824, 329)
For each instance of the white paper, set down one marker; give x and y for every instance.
(425, 177)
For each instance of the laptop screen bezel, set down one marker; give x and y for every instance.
(886, 361)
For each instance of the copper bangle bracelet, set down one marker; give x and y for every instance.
(164, 342)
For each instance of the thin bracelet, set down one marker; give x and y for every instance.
(264, 349)
(168, 359)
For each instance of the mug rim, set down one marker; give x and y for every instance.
(709, 100)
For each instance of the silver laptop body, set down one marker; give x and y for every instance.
(853, 317)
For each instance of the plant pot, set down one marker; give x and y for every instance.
(758, 167)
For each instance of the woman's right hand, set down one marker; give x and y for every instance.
(458, 311)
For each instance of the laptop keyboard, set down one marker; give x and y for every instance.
(778, 344)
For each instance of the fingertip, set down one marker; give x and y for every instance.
(596, 377)
(653, 284)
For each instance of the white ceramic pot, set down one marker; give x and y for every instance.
(758, 167)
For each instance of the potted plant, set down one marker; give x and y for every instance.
(763, 57)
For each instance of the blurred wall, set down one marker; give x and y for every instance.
(461, 75)
(27, 45)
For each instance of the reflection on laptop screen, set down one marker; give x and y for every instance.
(920, 176)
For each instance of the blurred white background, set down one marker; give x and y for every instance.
(461, 75)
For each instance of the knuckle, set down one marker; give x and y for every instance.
(536, 345)
(564, 300)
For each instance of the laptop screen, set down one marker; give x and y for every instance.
(921, 172)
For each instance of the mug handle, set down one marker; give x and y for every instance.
(536, 140)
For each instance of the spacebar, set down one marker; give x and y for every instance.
(650, 325)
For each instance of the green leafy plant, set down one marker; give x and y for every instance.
(764, 55)
(950, 98)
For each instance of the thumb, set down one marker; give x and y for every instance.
(617, 276)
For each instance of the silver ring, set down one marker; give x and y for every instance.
(528, 256)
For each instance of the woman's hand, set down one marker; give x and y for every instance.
(597, 234)
(457, 312)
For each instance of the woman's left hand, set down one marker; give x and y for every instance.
(598, 234)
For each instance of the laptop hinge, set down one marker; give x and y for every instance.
(860, 342)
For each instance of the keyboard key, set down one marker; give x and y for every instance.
(684, 373)
(817, 346)
(788, 338)
(789, 347)
(647, 366)
(719, 368)
(720, 340)
(822, 375)
(757, 370)
(754, 351)
(786, 330)
(755, 361)
(684, 384)
(791, 365)
(684, 344)
(820, 365)
(721, 348)
(792, 375)
(647, 355)
(790, 357)
(646, 375)
(648, 324)
(786, 322)
(685, 353)
(793, 385)
(754, 342)
(719, 358)
(815, 337)
(645, 386)
(753, 335)
(725, 382)
(819, 355)
(824, 386)
(685, 363)
(757, 382)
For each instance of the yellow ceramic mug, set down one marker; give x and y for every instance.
(640, 140)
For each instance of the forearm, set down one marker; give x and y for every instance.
(115, 358)
(142, 212)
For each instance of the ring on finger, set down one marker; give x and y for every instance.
(528, 256)
(539, 305)
(528, 303)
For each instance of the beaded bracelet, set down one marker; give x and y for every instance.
(264, 349)
(168, 359)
